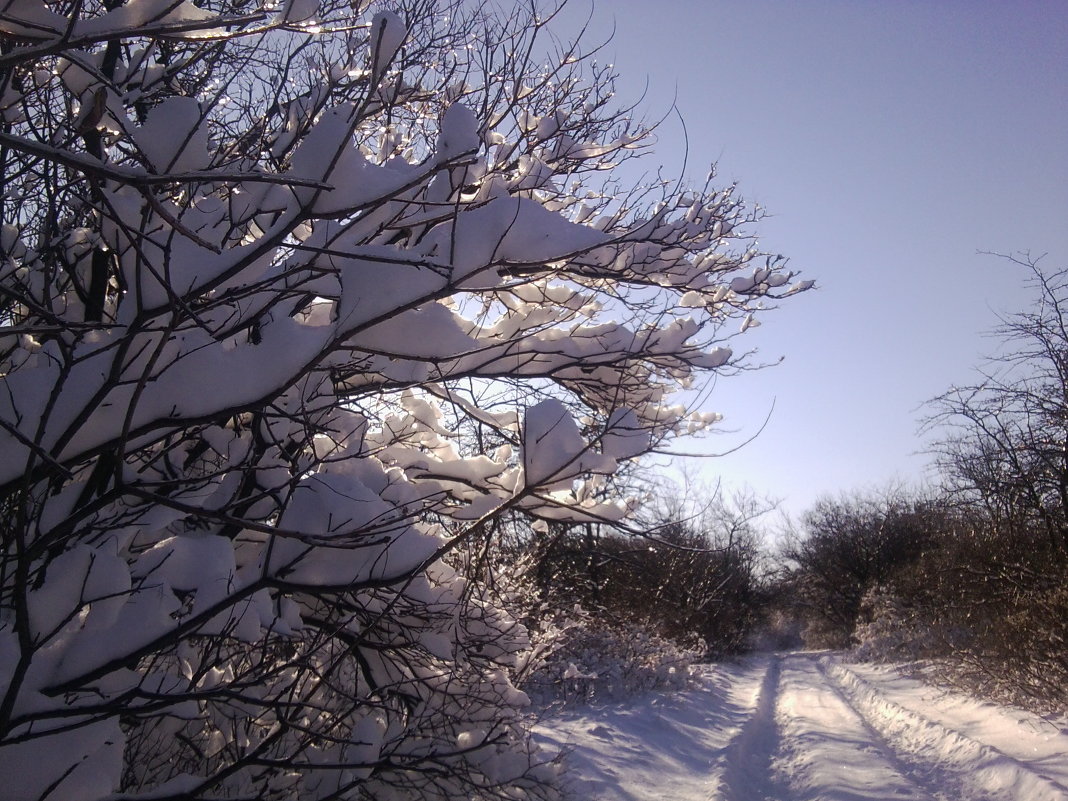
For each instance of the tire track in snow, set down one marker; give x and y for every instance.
(745, 773)
(829, 751)
(946, 756)
(802, 727)
(659, 747)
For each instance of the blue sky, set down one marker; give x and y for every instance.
(890, 141)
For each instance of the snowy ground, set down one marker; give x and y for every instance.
(810, 727)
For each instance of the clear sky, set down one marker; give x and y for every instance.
(890, 140)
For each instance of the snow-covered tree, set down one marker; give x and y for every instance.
(293, 300)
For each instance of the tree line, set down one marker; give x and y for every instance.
(974, 570)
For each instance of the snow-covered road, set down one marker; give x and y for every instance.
(810, 727)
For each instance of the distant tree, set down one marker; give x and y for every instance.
(846, 547)
(1007, 441)
(702, 568)
(688, 574)
(294, 303)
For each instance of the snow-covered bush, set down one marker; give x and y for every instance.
(889, 631)
(684, 569)
(598, 660)
(997, 601)
(293, 301)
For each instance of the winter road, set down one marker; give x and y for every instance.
(811, 727)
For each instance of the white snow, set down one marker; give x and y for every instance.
(808, 727)
(300, 10)
(34, 20)
(554, 452)
(459, 132)
(328, 153)
(388, 33)
(174, 138)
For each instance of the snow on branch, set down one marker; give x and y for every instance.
(294, 303)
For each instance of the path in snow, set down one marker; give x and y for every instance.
(810, 727)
